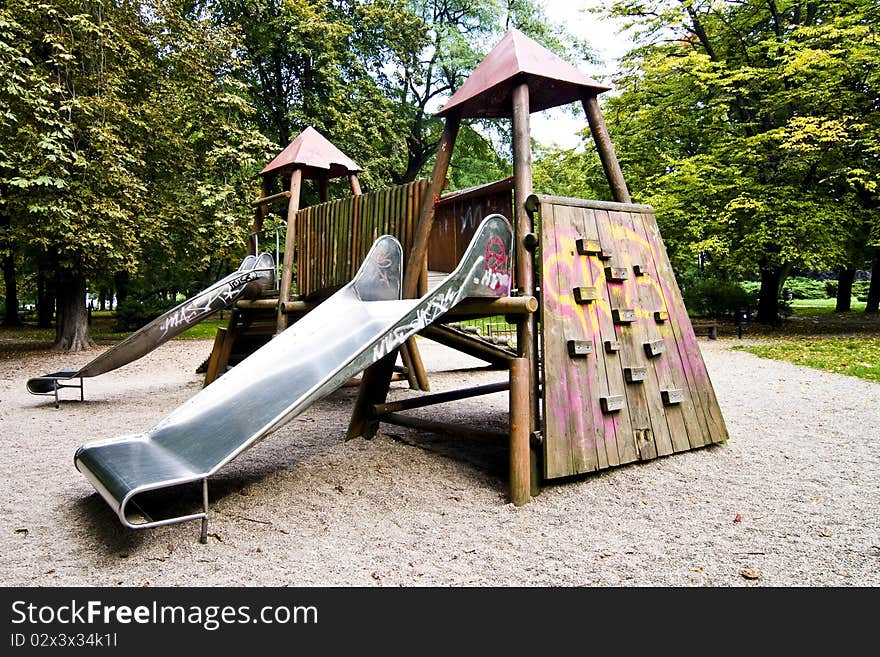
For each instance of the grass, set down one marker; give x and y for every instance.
(102, 330)
(858, 357)
(813, 307)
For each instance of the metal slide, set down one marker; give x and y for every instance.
(254, 275)
(354, 328)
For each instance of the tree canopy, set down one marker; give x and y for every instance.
(131, 132)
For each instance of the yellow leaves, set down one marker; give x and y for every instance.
(806, 134)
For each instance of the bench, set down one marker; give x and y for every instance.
(710, 330)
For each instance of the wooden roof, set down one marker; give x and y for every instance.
(317, 157)
(552, 81)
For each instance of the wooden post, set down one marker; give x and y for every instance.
(214, 358)
(520, 412)
(606, 150)
(373, 390)
(378, 375)
(259, 216)
(323, 190)
(289, 245)
(525, 281)
(426, 219)
(355, 184)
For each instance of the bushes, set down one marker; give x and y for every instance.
(135, 313)
(710, 297)
(859, 290)
(807, 288)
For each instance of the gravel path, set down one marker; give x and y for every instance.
(793, 499)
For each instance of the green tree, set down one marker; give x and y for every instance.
(752, 126)
(127, 136)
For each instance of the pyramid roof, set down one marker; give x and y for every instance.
(313, 153)
(487, 93)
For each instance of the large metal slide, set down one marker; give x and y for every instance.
(255, 275)
(353, 329)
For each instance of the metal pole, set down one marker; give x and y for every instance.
(204, 535)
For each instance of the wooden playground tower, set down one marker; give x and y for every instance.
(606, 369)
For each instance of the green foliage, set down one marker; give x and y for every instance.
(859, 289)
(807, 288)
(712, 297)
(752, 128)
(126, 142)
(137, 312)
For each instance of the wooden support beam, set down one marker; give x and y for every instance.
(520, 422)
(214, 358)
(419, 249)
(225, 350)
(445, 428)
(470, 346)
(259, 215)
(361, 423)
(491, 307)
(373, 390)
(355, 184)
(525, 281)
(407, 366)
(263, 201)
(418, 366)
(323, 190)
(289, 246)
(439, 398)
(606, 150)
(272, 304)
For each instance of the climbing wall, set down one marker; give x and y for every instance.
(623, 377)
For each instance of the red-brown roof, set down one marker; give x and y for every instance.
(317, 157)
(552, 81)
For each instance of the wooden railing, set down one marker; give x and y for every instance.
(333, 238)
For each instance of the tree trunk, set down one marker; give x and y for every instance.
(72, 327)
(772, 279)
(10, 316)
(845, 278)
(120, 282)
(45, 298)
(874, 290)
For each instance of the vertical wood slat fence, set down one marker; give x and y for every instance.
(333, 238)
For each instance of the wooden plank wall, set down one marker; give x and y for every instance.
(457, 216)
(333, 238)
(623, 376)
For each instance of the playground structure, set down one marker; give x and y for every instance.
(606, 368)
(357, 326)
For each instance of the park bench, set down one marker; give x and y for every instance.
(709, 329)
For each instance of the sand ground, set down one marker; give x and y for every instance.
(303, 507)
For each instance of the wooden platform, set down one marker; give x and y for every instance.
(623, 377)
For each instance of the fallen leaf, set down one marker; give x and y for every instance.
(216, 536)
(376, 576)
(23, 531)
(750, 573)
(824, 534)
(49, 572)
(339, 489)
(737, 518)
(698, 569)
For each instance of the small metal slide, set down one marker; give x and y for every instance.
(255, 275)
(354, 328)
